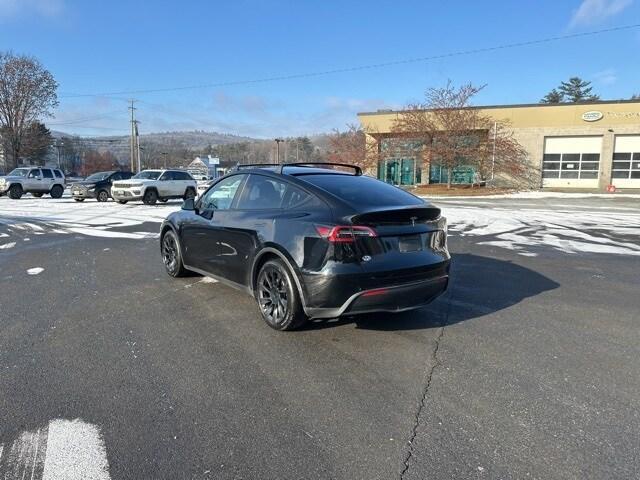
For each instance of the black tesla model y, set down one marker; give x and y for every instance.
(310, 242)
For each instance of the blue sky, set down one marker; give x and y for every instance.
(94, 47)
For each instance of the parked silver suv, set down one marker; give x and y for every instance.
(151, 186)
(34, 180)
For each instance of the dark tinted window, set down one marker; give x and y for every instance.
(58, 173)
(262, 193)
(167, 176)
(362, 190)
(294, 197)
(46, 173)
(115, 176)
(182, 176)
(34, 173)
(125, 175)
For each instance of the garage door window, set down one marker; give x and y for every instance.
(571, 165)
(626, 165)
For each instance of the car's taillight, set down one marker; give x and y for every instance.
(344, 234)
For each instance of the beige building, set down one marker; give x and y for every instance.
(574, 145)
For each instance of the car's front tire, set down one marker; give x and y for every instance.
(150, 197)
(102, 196)
(56, 191)
(278, 298)
(171, 255)
(189, 193)
(15, 192)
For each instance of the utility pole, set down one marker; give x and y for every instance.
(139, 165)
(278, 140)
(133, 135)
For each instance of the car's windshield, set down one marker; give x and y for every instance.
(96, 177)
(19, 172)
(148, 175)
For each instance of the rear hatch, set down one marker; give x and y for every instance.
(409, 244)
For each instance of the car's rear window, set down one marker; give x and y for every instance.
(362, 191)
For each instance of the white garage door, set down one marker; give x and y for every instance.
(571, 162)
(625, 171)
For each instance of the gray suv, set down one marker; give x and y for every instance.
(34, 180)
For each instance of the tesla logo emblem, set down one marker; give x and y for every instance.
(413, 221)
(366, 258)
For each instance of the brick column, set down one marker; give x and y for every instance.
(606, 160)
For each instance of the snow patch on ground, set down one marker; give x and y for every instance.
(35, 270)
(568, 231)
(61, 450)
(6, 246)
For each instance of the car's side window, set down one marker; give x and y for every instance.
(261, 193)
(58, 173)
(34, 173)
(220, 196)
(295, 197)
(167, 176)
(46, 173)
(115, 176)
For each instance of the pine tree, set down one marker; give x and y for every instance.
(554, 96)
(577, 90)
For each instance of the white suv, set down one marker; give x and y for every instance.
(153, 185)
(36, 181)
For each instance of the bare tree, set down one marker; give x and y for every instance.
(351, 147)
(454, 133)
(27, 93)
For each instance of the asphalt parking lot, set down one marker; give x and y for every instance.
(529, 367)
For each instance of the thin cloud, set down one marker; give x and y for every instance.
(591, 12)
(606, 77)
(44, 8)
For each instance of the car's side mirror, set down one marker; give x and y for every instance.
(189, 204)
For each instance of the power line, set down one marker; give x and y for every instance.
(360, 67)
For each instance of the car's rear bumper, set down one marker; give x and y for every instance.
(397, 298)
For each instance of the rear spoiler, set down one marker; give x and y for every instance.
(398, 216)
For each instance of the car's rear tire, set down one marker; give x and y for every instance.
(189, 193)
(79, 199)
(37, 194)
(150, 197)
(15, 192)
(171, 256)
(122, 202)
(102, 196)
(56, 191)
(278, 298)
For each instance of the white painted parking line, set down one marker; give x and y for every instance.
(64, 450)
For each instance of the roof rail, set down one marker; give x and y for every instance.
(253, 165)
(357, 169)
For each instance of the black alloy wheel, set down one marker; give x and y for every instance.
(15, 192)
(102, 196)
(56, 191)
(150, 197)
(171, 255)
(278, 298)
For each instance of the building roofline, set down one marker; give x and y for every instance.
(517, 105)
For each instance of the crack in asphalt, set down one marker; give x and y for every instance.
(425, 392)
